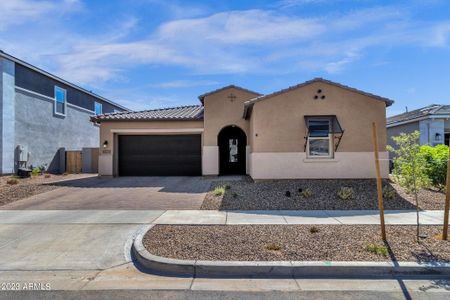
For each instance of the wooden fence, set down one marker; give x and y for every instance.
(73, 162)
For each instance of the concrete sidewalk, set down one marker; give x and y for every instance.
(192, 217)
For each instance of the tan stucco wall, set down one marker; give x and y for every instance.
(279, 123)
(221, 112)
(107, 159)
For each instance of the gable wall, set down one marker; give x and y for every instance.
(279, 122)
(221, 112)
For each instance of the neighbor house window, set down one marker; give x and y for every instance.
(320, 139)
(60, 101)
(98, 108)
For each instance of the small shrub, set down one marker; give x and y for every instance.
(314, 229)
(219, 191)
(306, 193)
(377, 249)
(388, 192)
(35, 172)
(12, 181)
(346, 193)
(234, 195)
(273, 247)
(227, 186)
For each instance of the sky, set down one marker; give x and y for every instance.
(148, 54)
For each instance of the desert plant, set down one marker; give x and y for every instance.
(436, 158)
(346, 193)
(377, 249)
(12, 181)
(314, 229)
(35, 172)
(219, 191)
(234, 194)
(273, 247)
(227, 186)
(388, 192)
(306, 193)
(410, 167)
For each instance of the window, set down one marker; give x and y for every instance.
(98, 108)
(319, 139)
(60, 101)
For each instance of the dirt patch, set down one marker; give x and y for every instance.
(287, 195)
(294, 242)
(27, 187)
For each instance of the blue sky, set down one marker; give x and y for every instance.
(155, 53)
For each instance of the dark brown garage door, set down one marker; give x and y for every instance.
(160, 155)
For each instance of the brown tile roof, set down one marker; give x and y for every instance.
(248, 104)
(181, 113)
(433, 109)
(202, 97)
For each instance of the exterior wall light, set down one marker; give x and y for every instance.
(105, 144)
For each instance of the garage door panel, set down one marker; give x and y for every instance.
(159, 155)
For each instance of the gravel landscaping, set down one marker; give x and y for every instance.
(295, 242)
(27, 187)
(271, 195)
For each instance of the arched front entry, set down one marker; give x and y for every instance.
(232, 141)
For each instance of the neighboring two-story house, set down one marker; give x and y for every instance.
(433, 123)
(41, 113)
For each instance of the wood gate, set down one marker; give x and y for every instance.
(73, 162)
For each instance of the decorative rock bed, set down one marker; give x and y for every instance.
(296, 243)
(287, 195)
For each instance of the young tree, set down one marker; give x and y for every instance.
(410, 166)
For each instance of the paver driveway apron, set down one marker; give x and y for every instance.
(122, 193)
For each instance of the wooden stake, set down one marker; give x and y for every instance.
(379, 185)
(447, 200)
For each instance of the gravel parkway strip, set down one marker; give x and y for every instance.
(295, 243)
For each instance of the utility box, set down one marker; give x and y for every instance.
(23, 153)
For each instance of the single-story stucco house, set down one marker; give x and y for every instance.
(316, 129)
(432, 121)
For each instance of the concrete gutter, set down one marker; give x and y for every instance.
(201, 268)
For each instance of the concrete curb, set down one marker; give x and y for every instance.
(200, 268)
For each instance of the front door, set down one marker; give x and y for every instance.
(232, 142)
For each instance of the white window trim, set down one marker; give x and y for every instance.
(330, 144)
(65, 101)
(101, 108)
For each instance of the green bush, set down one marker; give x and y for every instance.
(35, 172)
(388, 192)
(219, 191)
(436, 167)
(346, 193)
(377, 249)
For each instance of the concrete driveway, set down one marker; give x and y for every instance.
(126, 193)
